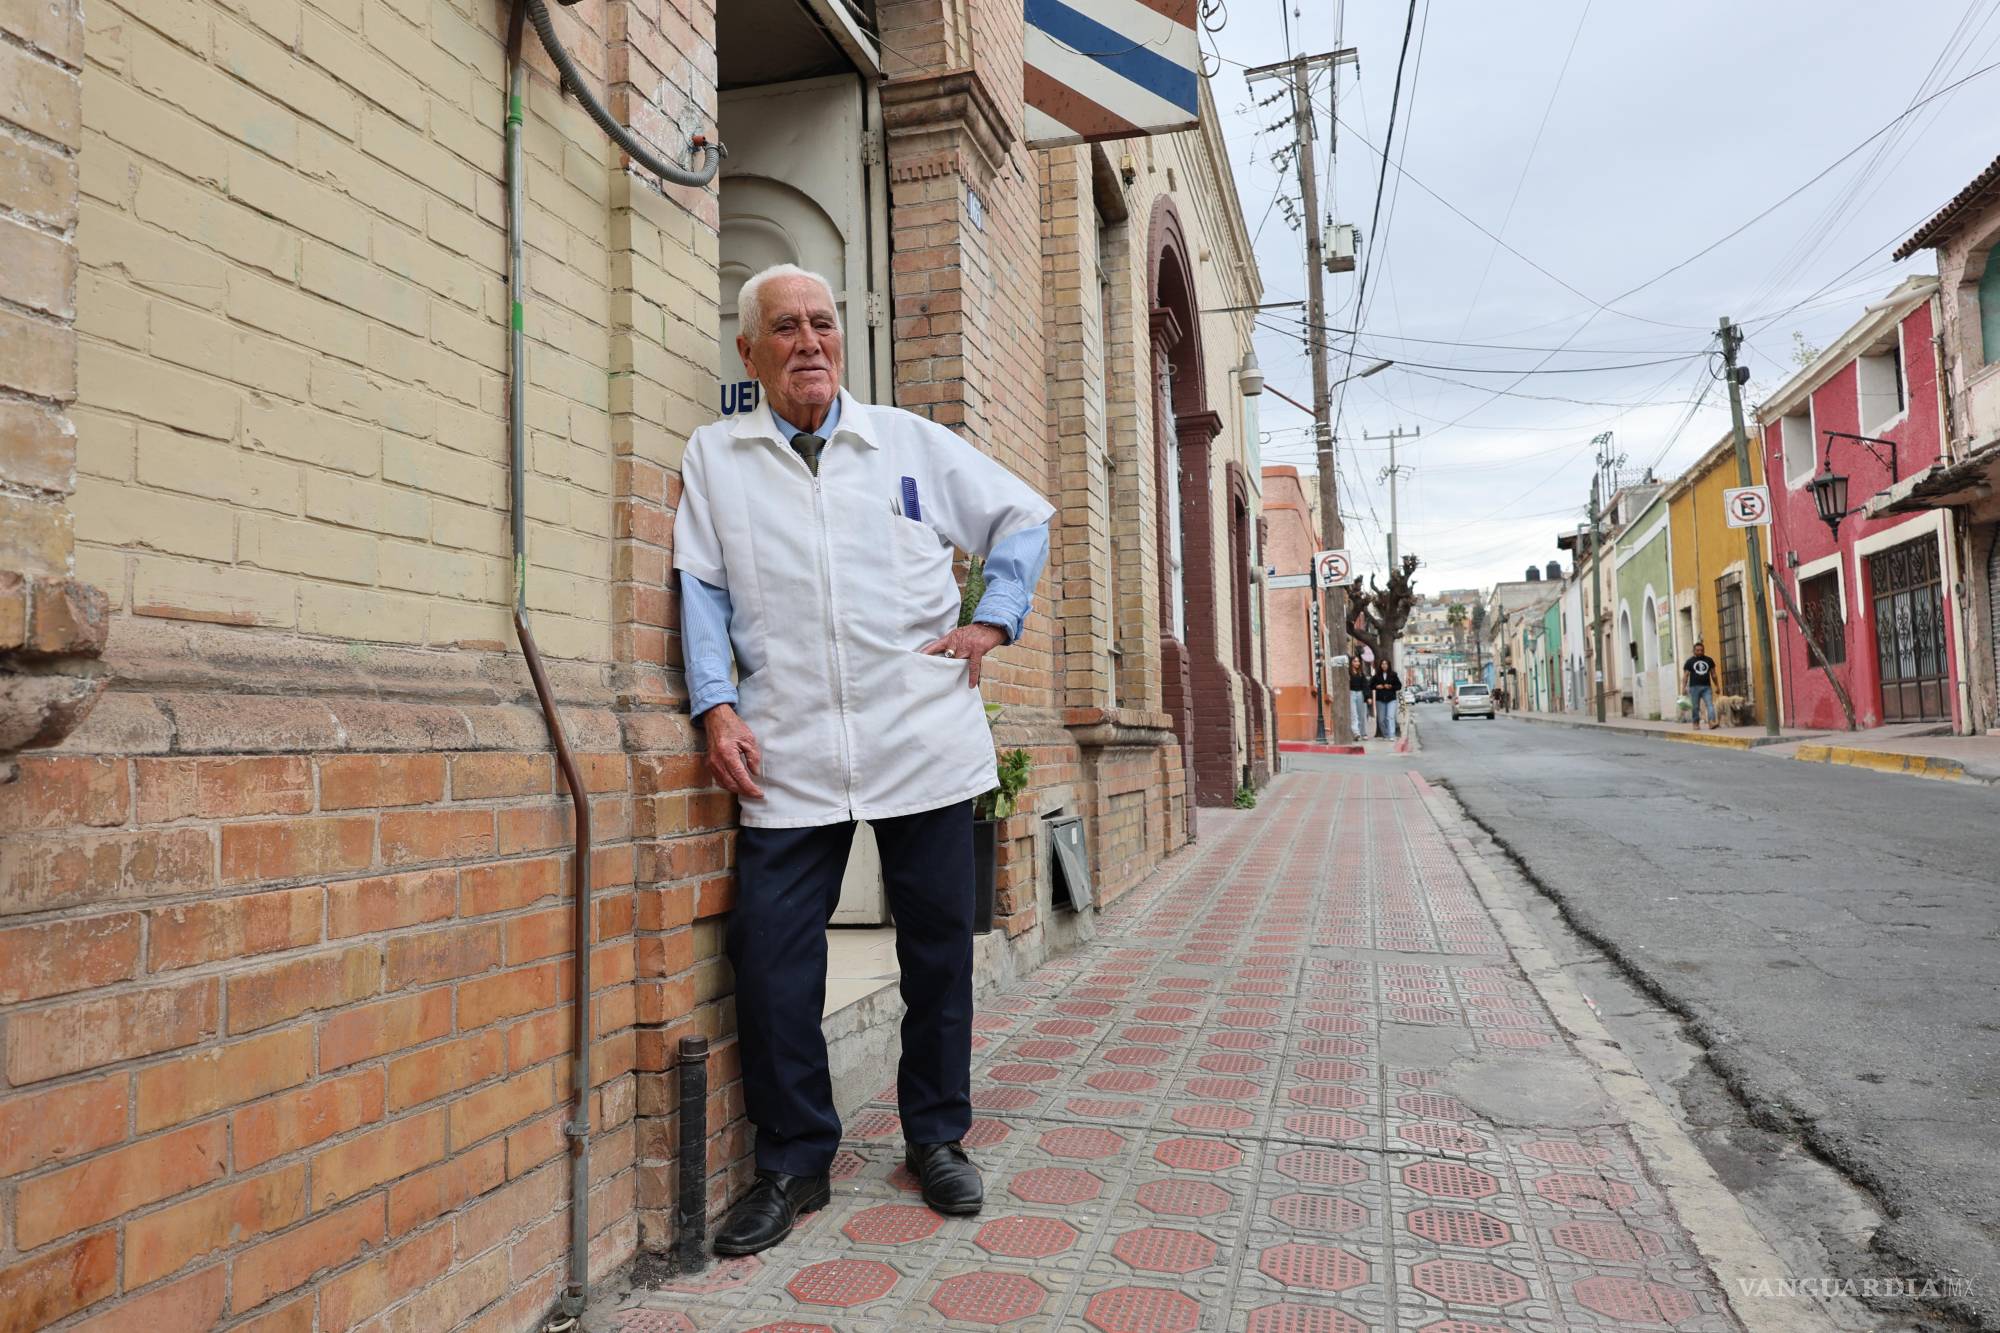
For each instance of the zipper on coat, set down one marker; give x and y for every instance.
(833, 643)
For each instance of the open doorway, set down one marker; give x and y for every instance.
(804, 183)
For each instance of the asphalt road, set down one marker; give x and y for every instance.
(1832, 935)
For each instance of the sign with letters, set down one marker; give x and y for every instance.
(1747, 506)
(1331, 569)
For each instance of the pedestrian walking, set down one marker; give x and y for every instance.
(1700, 676)
(1387, 687)
(1357, 692)
(814, 545)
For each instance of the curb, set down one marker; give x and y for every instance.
(1315, 747)
(1683, 737)
(1739, 1256)
(1887, 761)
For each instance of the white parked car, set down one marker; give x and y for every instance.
(1472, 701)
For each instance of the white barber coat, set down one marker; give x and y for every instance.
(833, 589)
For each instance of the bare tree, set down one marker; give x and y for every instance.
(1379, 614)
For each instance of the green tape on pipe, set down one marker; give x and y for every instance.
(519, 320)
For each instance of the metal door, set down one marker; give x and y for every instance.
(1906, 583)
(800, 187)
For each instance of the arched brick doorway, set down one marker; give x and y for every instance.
(1195, 681)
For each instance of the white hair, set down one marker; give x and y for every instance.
(750, 303)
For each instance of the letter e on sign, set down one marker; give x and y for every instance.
(1331, 569)
(1747, 506)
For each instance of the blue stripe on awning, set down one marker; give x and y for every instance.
(1119, 52)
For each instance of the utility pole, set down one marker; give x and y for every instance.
(1596, 599)
(1391, 472)
(1736, 376)
(1333, 610)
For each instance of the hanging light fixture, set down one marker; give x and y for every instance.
(1829, 488)
(1829, 493)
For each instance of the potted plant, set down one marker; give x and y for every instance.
(988, 813)
(991, 809)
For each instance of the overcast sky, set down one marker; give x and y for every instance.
(1671, 126)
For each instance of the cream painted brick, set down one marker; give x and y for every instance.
(342, 167)
(468, 335)
(37, 182)
(360, 286)
(440, 471)
(212, 471)
(229, 594)
(401, 39)
(151, 128)
(412, 411)
(292, 314)
(347, 13)
(469, 44)
(279, 18)
(116, 515)
(47, 27)
(573, 379)
(468, 622)
(202, 342)
(106, 445)
(572, 637)
(441, 573)
(110, 310)
(465, 233)
(106, 569)
(247, 239)
(466, 528)
(112, 378)
(409, 256)
(312, 549)
(293, 197)
(306, 436)
(149, 258)
(385, 138)
(354, 64)
(211, 96)
(355, 613)
(481, 434)
(186, 22)
(570, 552)
(482, 145)
(361, 504)
(39, 96)
(266, 65)
(398, 356)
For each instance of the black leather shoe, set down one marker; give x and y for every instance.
(950, 1181)
(765, 1215)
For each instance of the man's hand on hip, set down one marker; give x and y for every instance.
(733, 755)
(971, 642)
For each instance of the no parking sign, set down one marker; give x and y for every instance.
(1747, 506)
(1331, 569)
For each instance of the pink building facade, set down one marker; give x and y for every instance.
(1875, 592)
(1288, 550)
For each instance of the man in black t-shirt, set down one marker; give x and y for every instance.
(1387, 686)
(1700, 674)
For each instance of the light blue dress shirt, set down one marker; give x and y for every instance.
(1012, 569)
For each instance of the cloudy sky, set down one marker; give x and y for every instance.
(1607, 143)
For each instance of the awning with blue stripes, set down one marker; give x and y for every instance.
(1110, 69)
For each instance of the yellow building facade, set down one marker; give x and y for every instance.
(1714, 588)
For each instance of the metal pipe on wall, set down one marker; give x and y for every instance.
(577, 1131)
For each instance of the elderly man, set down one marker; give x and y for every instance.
(814, 543)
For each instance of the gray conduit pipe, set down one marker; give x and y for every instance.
(577, 1131)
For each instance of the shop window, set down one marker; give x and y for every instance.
(1819, 607)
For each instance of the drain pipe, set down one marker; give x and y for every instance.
(577, 1130)
(691, 1209)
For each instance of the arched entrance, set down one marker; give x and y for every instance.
(1196, 685)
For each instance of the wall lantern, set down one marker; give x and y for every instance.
(1829, 488)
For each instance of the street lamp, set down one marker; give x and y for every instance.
(1829, 488)
(1375, 369)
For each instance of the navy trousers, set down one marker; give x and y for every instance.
(787, 886)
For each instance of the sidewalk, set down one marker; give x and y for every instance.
(1298, 1083)
(1902, 748)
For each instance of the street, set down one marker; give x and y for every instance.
(1828, 933)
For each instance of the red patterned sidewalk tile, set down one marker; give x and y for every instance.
(988, 1298)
